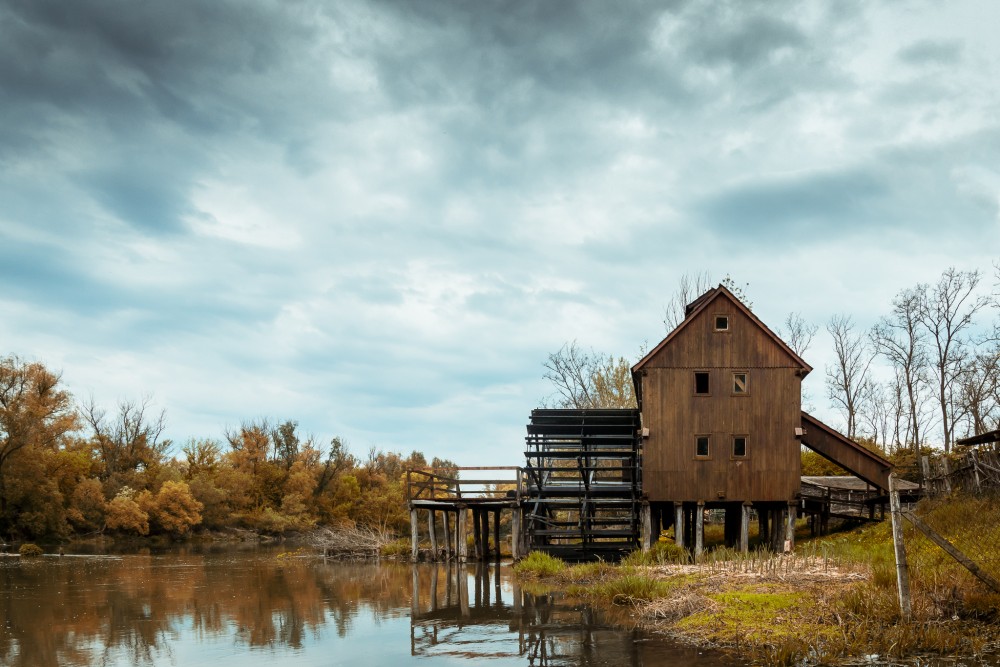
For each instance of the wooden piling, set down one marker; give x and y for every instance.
(515, 533)
(477, 534)
(699, 530)
(414, 535)
(679, 524)
(432, 533)
(496, 532)
(445, 521)
(790, 527)
(461, 539)
(745, 528)
(645, 518)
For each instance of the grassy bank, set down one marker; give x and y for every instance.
(835, 598)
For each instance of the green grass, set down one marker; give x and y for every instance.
(539, 565)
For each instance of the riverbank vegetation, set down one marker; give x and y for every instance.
(834, 598)
(70, 470)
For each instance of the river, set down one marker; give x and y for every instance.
(252, 606)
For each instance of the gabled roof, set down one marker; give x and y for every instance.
(694, 308)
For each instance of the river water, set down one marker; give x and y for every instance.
(267, 606)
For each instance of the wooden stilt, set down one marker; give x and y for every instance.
(902, 568)
(496, 533)
(445, 521)
(679, 524)
(646, 539)
(477, 534)
(484, 516)
(699, 530)
(515, 534)
(414, 535)
(745, 527)
(790, 528)
(432, 533)
(461, 540)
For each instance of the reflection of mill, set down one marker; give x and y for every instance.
(451, 616)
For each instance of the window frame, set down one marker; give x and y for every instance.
(708, 380)
(715, 322)
(708, 446)
(746, 384)
(746, 447)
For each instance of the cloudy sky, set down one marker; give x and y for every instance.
(378, 218)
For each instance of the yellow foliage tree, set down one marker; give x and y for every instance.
(174, 509)
(124, 514)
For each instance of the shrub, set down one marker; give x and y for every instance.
(539, 564)
(661, 553)
(29, 550)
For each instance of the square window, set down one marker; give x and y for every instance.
(701, 385)
(722, 322)
(741, 383)
(739, 446)
(701, 446)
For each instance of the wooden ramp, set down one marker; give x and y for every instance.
(851, 456)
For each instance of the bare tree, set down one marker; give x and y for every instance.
(690, 287)
(979, 391)
(128, 441)
(900, 339)
(586, 379)
(847, 380)
(947, 312)
(798, 333)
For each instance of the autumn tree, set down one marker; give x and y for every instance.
(128, 443)
(174, 510)
(35, 416)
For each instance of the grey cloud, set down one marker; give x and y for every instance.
(930, 51)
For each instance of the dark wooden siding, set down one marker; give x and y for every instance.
(767, 416)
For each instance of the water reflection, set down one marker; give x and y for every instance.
(500, 620)
(256, 606)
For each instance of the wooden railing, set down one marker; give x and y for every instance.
(454, 484)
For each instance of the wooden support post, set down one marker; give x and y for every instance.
(432, 533)
(763, 514)
(414, 535)
(477, 534)
(461, 540)
(484, 516)
(699, 530)
(515, 534)
(790, 528)
(925, 467)
(463, 583)
(415, 598)
(745, 528)
(445, 523)
(902, 569)
(679, 524)
(975, 467)
(496, 532)
(946, 469)
(646, 538)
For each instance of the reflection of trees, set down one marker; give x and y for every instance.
(87, 611)
(453, 616)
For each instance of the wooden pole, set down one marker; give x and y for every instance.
(461, 540)
(432, 533)
(790, 528)
(515, 533)
(902, 570)
(445, 523)
(477, 534)
(699, 530)
(647, 528)
(679, 524)
(745, 528)
(496, 532)
(947, 474)
(484, 516)
(414, 535)
(925, 467)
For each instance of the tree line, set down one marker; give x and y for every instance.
(75, 469)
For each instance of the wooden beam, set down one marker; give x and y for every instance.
(414, 535)
(461, 540)
(952, 551)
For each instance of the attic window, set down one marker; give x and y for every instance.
(701, 386)
(741, 383)
(701, 449)
(722, 322)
